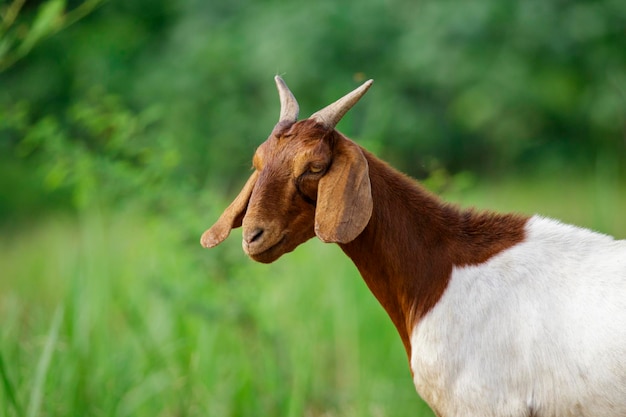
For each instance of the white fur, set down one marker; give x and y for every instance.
(538, 330)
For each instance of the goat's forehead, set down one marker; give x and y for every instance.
(291, 148)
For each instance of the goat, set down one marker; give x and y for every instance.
(500, 314)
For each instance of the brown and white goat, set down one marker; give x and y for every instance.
(500, 314)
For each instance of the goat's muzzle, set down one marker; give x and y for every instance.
(263, 244)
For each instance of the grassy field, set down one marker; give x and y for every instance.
(119, 314)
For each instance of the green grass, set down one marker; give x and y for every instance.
(119, 314)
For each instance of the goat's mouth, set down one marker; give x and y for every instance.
(263, 253)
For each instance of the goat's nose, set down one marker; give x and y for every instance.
(252, 235)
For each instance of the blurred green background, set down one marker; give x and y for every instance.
(127, 126)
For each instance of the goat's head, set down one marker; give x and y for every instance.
(308, 180)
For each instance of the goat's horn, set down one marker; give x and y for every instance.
(288, 105)
(330, 115)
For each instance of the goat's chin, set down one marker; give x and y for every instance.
(269, 255)
(265, 257)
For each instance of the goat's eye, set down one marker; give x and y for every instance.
(316, 168)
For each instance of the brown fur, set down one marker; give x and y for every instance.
(413, 240)
(310, 180)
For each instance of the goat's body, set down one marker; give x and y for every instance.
(538, 330)
(530, 322)
(501, 315)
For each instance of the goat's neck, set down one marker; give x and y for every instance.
(408, 250)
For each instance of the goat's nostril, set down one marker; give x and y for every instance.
(254, 235)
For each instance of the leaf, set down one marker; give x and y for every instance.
(48, 20)
(43, 366)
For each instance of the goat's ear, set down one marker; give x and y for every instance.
(344, 196)
(232, 216)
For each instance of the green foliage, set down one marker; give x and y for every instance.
(488, 86)
(18, 38)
